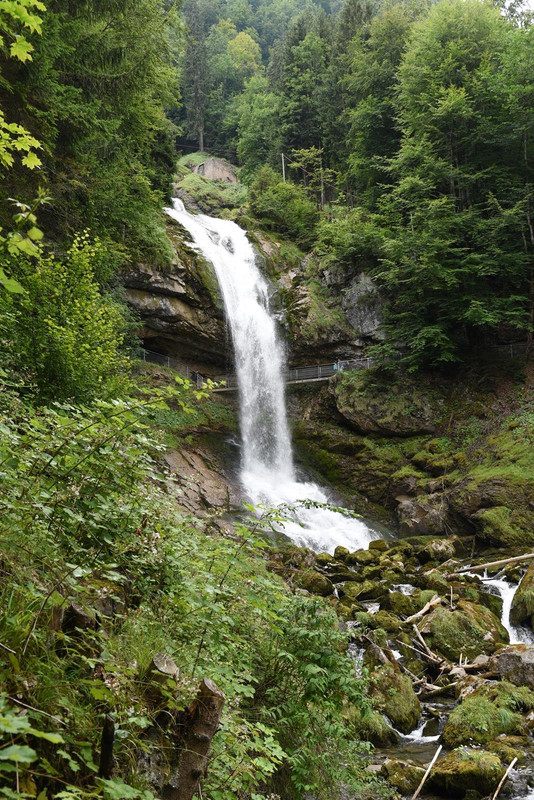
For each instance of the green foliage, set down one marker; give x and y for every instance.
(61, 331)
(283, 207)
(94, 96)
(89, 518)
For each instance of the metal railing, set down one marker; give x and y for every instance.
(307, 374)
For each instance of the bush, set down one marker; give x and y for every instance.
(63, 332)
(283, 207)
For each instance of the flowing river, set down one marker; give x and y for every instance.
(268, 473)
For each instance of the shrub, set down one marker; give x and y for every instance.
(283, 207)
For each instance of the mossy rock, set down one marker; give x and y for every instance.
(478, 720)
(324, 559)
(394, 696)
(465, 770)
(378, 544)
(400, 604)
(470, 630)
(403, 775)
(372, 727)
(341, 553)
(523, 602)
(362, 557)
(389, 622)
(314, 582)
(366, 590)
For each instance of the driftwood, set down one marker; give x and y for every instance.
(429, 654)
(205, 715)
(105, 768)
(481, 567)
(436, 601)
(503, 779)
(427, 773)
(435, 691)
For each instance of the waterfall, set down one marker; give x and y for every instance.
(267, 472)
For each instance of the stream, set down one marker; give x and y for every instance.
(267, 472)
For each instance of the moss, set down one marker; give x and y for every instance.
(315, 583)
(372, 727)
(463, 770)
(470, 630)
(394, 695)
(213, 196)
(479, 720)
(523, 602)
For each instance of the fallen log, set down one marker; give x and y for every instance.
(205, 716)
(430, 655)
(490, 564)
(436, 691)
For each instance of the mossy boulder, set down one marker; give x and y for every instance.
(366, 590)
(388, 622)
(372, 727)
(394, 696)
(463, 770)
(314, 582)
(341, 553)
(403, 775)
(324, 559)
(478, 720)
(470, 630)
(523, 603)
(400, 604)
(362, 557)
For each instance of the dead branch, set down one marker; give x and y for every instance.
(427, 773)
(204, 721)
(503, 779)
(435, 601)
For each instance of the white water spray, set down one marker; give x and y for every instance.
(268, 473)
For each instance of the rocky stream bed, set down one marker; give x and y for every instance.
(443, 668)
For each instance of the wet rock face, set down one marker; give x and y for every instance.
(180, 308)
(363, 307)
(516, 664)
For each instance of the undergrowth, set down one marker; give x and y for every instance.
(100, 572)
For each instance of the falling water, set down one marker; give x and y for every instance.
(268, 473)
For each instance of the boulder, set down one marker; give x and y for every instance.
(403, 775)
(362, 557)
(367, 590)
(314, 582)
(523, 602)
(470, 630)
(395, 697)
(341, 553)
(516, 664)
(463, 770)
(372, 727)
(478, 720)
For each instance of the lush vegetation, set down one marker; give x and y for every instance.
(410, 127)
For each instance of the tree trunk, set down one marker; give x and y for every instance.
(204, 721)
(201, 139)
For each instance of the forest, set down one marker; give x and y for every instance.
(387, 144)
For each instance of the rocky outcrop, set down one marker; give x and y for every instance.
(371, 406)
(523, 602)
(363, 308)
(180, 309)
